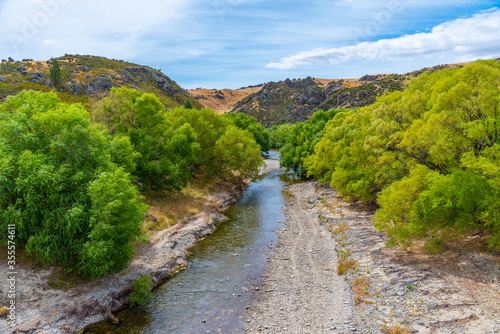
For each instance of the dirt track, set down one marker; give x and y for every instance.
(302, 292)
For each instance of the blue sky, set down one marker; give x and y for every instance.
(235, 43)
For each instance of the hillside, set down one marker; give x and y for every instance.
(296, 100)
(222, 100)
(86, 79)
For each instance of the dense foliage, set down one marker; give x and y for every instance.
(223, 147)
(245, 122)
(278, 135)
(177, 144)
(301, 139)
(163, 152)
(66, 183)
(59, 185)
(429, 155)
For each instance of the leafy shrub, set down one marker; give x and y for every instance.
(141, 292)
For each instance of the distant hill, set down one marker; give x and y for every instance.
(296, 100)
(86, 79)
(222, 100)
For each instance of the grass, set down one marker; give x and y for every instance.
(361, 285)
(346, 264)
(394, 330)
(170, 208)
(339, 229)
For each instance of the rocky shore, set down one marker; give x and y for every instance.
(390, 290)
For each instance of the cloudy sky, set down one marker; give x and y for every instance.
(235, 43)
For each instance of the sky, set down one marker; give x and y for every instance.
(237, 43)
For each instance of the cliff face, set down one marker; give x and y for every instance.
(88, 78)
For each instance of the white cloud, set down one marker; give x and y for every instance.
(114, 26)
(466, 38)
(50, 41)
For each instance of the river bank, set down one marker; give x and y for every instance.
(380, 289)
(43, 309)
(301, 291)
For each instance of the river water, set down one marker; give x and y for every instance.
(224, 269)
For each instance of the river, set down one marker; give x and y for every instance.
(224, 269)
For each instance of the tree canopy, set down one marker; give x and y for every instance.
(428, 155)
(60, 186)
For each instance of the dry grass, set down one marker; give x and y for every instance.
(222, 100)
(168, 208)
(361, 286)
(394, 330)
(346, 264)
(339, 229)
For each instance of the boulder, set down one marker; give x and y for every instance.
(101, 83)
(38, 77)
(23, 70)
(334, 88)
(86, 69)
(369, 77)
(74, 87)
(2, 79)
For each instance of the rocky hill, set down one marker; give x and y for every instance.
(86, 79)
(296, 100)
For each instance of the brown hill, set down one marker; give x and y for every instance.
(222, 100)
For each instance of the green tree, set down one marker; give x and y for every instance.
(429, 155)
(55, 72)
(187, 104)
(212, 130)
(70, 202)
(164, 153)
(302, 139)
(259, 132)
(278, 135)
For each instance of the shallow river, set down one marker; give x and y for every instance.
(224, 269)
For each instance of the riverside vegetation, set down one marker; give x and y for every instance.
(429, 156)
(70, 179)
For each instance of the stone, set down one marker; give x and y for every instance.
(2, 79)
(86, 69)
(369, 78)
(101, 83)
(39, 77)
(4, 311)
(88, 76)
(74, 87)
(22, 69)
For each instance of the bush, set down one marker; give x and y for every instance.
(163, 152)
(141, 292)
